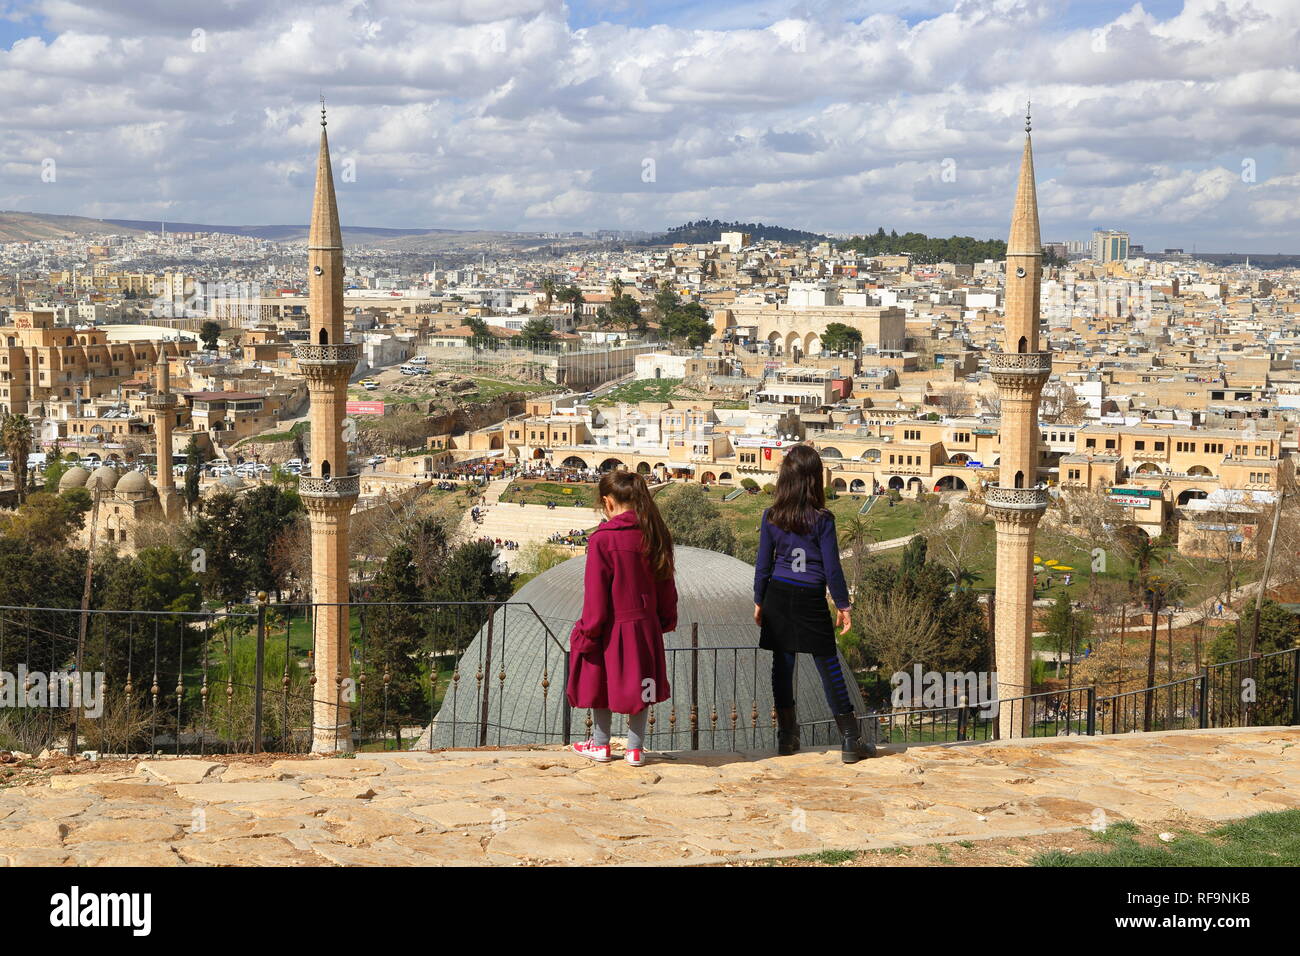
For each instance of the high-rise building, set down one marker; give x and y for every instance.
(331, 488)
(1109, 245)
(1017, 502)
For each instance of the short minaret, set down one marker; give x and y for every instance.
(163, 403)
(1016, 502)
(329, 489)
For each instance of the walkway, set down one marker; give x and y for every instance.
(522, 523)
(550, 806)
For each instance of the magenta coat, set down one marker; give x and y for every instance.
(617, 648)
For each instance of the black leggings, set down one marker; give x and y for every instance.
(837, 692)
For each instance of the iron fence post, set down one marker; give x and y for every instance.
(566, 720)
(487, 683)
(1204, 703)
(1092, 710)
(695, 685)
(257, 672)
(1295, 686)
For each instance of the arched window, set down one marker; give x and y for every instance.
(1023, 346)
(1020, 479)
(325, 465)
(324, 337)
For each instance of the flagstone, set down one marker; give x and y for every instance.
(177, 771)
(240, 792)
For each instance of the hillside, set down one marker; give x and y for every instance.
(29, 226)
(710, 230)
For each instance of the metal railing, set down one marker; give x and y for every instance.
(431, 675)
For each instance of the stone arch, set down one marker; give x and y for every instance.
(573, 461)
(791, 343)
(914, 484)
(812, 344)
(1191, 494)
(1020, 479)
(831, 452)
(643, 468)
(725, 476)
(950, 483)
(871, 454)
(324, 337)
(708, 477)
(609, 464)
(896, 483)
(1148, 468)
(1023, 345)
(1200, 470)
(857, 486)
(959, 459)
(774, 343)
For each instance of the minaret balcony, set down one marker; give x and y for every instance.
(1016, 499)
(342, 486)
(1020, 363)
(162, 402)
(327, 356)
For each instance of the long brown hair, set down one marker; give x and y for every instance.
(800, 496)
(629, 488)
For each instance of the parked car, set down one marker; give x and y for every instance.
(420, 360)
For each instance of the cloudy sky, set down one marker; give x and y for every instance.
(1179, 121)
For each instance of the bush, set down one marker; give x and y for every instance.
(749, 484)
(769, 489)
(831, 493)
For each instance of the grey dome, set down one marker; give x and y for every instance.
(714, 590)
(134, 482)
(74, 477)
(104, 478)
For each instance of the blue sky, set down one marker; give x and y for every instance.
(1175, 121)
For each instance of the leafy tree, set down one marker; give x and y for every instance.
(16, 438)
(536, 332)
(839, 337)
(209, 332)
(689, 322)
(395, 637)
(572, 295)
(481, 334)
(47, 520)
(695, 521)
(190, 490)
(625, 312)
(913, 556)
(155, 579)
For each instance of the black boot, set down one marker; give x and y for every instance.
(787, 731)
(852, 749)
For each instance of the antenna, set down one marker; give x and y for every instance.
(322, 109)
(1028, 125)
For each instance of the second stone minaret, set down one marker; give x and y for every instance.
(1017, 502)
(329, 488)
(163, 403)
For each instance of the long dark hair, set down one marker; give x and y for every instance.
(800, 495)
(629, 488)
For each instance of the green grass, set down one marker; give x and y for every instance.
(563, 494)
(1267, 839)
(644, 390)
(830, 857)
(299, 428)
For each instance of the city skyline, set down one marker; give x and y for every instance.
(533, 116)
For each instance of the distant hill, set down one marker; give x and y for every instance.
(927, 249)
(29, 226)
(710, 230)
(288, 233)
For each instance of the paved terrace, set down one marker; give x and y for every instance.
(547, 806)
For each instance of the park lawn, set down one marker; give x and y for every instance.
(1266, 839)
(644, 390)
(563, 494)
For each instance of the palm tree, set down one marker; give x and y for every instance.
(616, 287)
(572, 294)
(855, 535)
(16, 438)
(548, 290)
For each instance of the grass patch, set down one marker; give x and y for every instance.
(830, 857)
(646, 390)
(562, 494)
(1266, 839)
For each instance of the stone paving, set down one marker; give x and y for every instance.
(549, 806)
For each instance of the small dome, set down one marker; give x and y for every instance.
(104, 478)
(74, 477)
(233, 483)
(134, 482)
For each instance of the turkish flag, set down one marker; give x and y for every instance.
(767, 454)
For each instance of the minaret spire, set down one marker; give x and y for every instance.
(1018, 500)
(331, 488)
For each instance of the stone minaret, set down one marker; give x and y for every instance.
(163, 403)
(330, 489)
(1019, 370)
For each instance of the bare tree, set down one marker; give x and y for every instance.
(898, 630)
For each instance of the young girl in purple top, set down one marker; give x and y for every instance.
(798, 562)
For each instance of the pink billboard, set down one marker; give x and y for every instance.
(365, 408)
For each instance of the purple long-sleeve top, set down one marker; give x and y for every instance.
(807, 559)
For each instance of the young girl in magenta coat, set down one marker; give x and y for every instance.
(798, 562)
(616, 659)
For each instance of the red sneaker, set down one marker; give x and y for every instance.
(593, 751)
(635, 757)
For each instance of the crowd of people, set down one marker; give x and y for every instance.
(575, 538)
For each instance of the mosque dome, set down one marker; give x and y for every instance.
(74, 477)
(714, 590)
(104, 478)
(134, 482)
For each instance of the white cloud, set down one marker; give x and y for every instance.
(501, 114)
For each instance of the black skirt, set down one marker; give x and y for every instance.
(797, 619)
